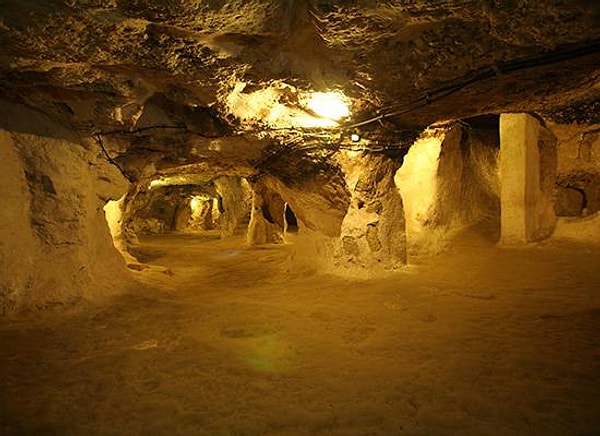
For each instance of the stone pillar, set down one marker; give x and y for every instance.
(234, 194)
(525, 208)
(373, 230)
(205, 217)
(266, 219)
(182, 215)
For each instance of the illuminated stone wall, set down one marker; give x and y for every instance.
(449, 180)
(56, 245)
(373, 230)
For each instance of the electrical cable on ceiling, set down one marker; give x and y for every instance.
(98, 138)
(426, 99)
(485, 73)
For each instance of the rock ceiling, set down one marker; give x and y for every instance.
(147, 65)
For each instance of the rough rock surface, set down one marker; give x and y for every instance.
(449, 180)
(235, 194)
(578, 177)
(56, 246)
(267, 223)
(372, 234)
(97, 63)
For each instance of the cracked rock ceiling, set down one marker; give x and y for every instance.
(157, 73)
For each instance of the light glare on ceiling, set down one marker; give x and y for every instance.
(281, 106)
(332, 105)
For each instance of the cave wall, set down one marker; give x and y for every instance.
(320, 204)
(578, 170)
(153, 211)
(350, 219)
(578, 181)
(114, 213)
(469, 190)
(449, 180)
(417, 183)
(56, 245)
(18, 243)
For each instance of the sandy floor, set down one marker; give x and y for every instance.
(481, 341)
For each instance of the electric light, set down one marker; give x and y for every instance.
(331, 105)
(354, 137)
(271, 106)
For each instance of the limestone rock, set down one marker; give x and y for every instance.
(372, 233)
(58, 248)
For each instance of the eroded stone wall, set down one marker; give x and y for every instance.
(267, 223)
(236, 200)
(56, 245)
(578, 182)
(373, 230)
(449, 180)
(320, 204)
(578, 172)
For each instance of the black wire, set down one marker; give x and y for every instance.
(484, 74)
(98, 138)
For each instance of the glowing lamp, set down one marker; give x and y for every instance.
(332, 105)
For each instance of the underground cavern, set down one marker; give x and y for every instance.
(300, 217)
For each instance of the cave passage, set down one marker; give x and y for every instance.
(434, 294)
(290, 219)
(294, 218)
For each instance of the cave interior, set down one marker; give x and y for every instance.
(337, 217)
